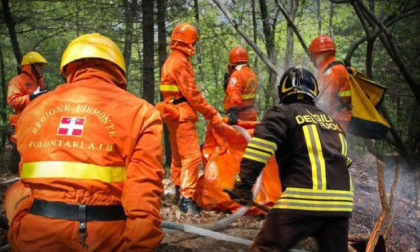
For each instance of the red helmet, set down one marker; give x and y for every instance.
(185, 33)
(238, 55)
(322, 43)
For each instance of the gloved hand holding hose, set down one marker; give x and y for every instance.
(241, 193)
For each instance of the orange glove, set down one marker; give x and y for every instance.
(221, 127)
(216, 121)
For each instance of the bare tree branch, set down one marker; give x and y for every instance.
(198, 49)
(290, 22)
(392, 50)
(257, 50)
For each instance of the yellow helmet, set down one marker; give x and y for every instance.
(33, 58)
(93, 45)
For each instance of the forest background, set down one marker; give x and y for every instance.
(379, 37)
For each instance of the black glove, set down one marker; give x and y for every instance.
(225, 80)
(37, 93)
(241, 194)
(233, 115)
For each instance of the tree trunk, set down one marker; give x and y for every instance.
(270, 47)
(148, 52)
(255, 34)
(330, 22)
(161, 18)
(288, 61)
(10, 23)
(130, 10)
(318, 13)
(198, 51)
(3, 105)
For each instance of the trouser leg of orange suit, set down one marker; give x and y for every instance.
(176, 158)
(186, 156)
(17, 200)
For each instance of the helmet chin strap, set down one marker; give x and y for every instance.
(37, 74)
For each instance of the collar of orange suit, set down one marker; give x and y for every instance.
(185, 48)
(27, 69)
(101, 69)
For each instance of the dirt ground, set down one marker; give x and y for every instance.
(403, 235)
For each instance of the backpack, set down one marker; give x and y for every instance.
(366, 96)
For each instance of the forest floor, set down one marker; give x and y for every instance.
(403, 235)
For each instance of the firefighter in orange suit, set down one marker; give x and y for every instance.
(333, 79)
(178, 87)
(240, 88)
(22, 89)
(92, 157)
(26, 86)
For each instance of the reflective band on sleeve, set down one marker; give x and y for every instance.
(262, 144)
(349, 162)
(343, 144)
(267, 148)
(73, 170)
(316, 157)
(259, 156)
(344, 94)
(248, 96)
(169, 88)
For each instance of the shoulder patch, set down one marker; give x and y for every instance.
(233, 81)
(328, 72)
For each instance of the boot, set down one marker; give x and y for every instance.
(187, 205)
(176, 197)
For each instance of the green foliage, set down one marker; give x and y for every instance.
(48, 26)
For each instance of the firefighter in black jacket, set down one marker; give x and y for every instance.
(311, 152)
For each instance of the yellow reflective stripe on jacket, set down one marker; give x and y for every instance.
(344, 93)
(315, 200)
(169, 87)
(344, 148)
(73, 170)
(316, 157)
(298, 193)
(310, 205)
(248, 96)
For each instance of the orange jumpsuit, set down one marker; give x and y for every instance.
(177, 81)
(241, 92)
(90, 142)
(335, 91)
(20, 87)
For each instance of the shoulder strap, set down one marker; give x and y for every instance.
(334, 63)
